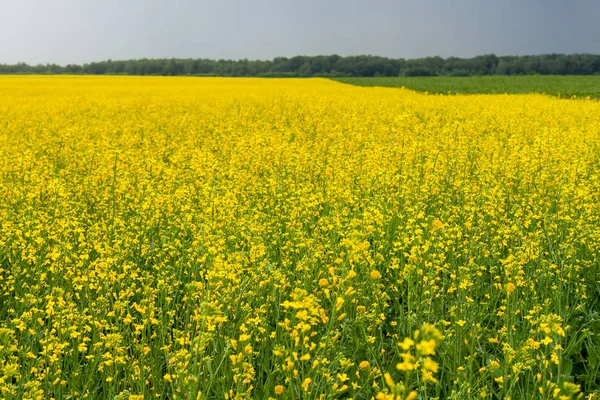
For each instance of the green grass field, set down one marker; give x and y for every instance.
(563, 86)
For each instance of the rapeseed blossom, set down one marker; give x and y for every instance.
(202, 238)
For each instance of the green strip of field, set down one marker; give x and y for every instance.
(563, 86)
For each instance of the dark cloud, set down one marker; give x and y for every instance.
(77, 31)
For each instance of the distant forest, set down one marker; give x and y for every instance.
(331, 66)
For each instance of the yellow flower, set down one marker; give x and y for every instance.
(375, 274)
(510, 287)
(279, 389)
(430, 365)
(305, 384)
(406, 344)
(243, 338)
(339, 303)
(437, 224)
(388, 380)
(547, 340)
(426, 347)
(412, 395)
(428, 377)
(364, 365)
(407, 363)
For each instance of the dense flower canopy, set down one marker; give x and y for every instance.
(254, 238)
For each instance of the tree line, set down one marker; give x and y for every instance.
(331, 66)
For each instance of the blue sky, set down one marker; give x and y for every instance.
(78, 31)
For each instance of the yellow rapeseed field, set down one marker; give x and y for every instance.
(210, 238)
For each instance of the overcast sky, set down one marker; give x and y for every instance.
(79, 31)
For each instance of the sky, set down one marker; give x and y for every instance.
(80, 31)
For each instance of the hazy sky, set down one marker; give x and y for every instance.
(78, 31)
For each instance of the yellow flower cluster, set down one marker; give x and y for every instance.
(418, 360)
(200, 238)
